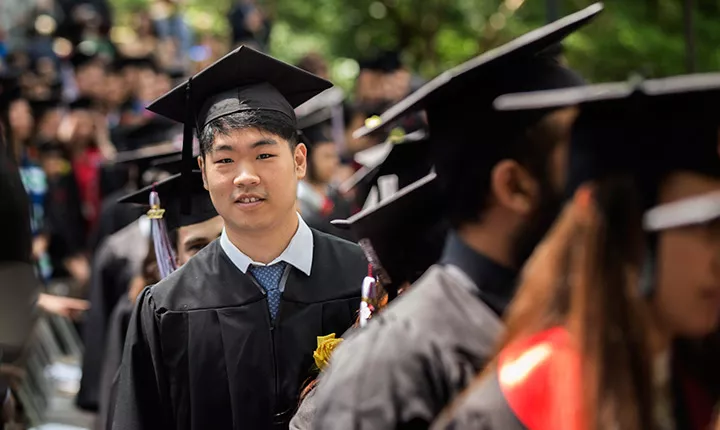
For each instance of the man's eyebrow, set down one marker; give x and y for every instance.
(223, 147)
(263, 142)
(259, 143)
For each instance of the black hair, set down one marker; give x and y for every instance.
(464, 167)
(266, 120)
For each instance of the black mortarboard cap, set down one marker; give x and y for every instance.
(646, 128)
(409, 158)
(171, 192)
(244, 79)
(319, 109)
(402, 236)
(471, 87)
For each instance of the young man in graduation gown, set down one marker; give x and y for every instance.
(226, 341)
(501, 195)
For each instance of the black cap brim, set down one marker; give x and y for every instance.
(171, 192)
(403, 235)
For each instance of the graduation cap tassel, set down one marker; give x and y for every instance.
(164, 253)
(368, 296)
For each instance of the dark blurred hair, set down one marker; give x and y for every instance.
(465, 167)
(268, 121)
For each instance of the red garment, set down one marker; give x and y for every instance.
(86, 167)
(540, 380)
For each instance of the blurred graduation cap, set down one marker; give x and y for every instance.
(242, 80)
(460, 93)
(389, 167)
(647, 128)
(320, 119)
(171, 191)
(164, 200)
(401, 236)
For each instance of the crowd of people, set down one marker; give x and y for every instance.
(243, 245)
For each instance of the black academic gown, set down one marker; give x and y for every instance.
(408, 363)
(116, 262)
(202, 352)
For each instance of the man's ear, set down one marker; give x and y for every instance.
(201, 163)
(300, 160)
(513, 187)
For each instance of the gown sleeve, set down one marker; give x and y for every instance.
(142, 400)
(371, 382)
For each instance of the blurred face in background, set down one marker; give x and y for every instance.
(687, 296)
(147, 79)
(325, 162)
(116, 91)
(21, 120)
(83, 126)
(48, 123)
(90, 79)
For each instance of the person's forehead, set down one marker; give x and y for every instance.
(684, 184)
(240, 138)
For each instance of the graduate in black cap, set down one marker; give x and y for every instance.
(626, 272)
(187, 235)
(227, 340)
(500, 195)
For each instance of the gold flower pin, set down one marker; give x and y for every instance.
(326, 345)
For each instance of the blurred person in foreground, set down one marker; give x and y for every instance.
(501, 191)
(629, 270)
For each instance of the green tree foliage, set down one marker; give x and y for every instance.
(643, 36)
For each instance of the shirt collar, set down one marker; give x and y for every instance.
(495, 283)
(299, 252)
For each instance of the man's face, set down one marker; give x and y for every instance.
(252, 178)
(193, 238)
(550, 184)
(687, 295)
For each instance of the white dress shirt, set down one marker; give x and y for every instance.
(299, 252)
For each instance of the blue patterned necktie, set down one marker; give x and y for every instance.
(269, 278)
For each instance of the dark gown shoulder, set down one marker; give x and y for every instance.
(535, 386)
